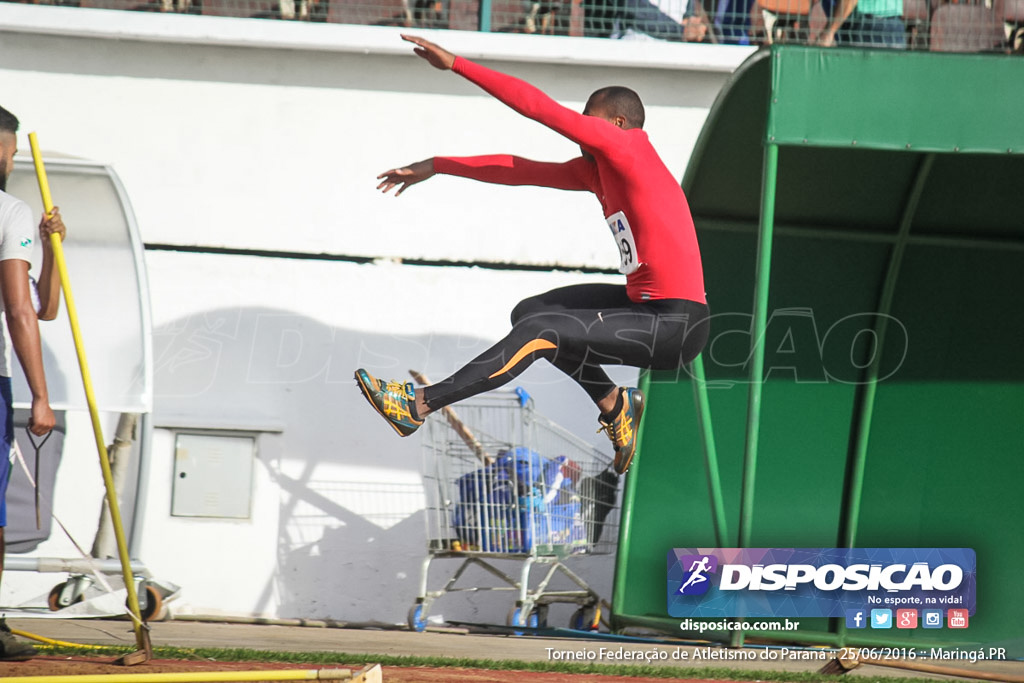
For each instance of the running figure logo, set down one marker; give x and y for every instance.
(698, 567)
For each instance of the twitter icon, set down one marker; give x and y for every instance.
(881, 618)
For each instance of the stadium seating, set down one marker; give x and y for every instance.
(937, 25)
(965, 28)
(379, 13)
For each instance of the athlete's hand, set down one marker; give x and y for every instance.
(438, 57)
(406, 176)
(51, 223)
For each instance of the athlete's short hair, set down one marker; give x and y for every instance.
(8, 121)
(621, 101)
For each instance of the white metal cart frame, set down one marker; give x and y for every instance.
(505, 483)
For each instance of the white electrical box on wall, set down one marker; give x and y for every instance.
(213, 475)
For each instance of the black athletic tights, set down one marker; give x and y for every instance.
(579, 329)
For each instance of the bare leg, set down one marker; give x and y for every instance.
(422, 410)
(607, 404)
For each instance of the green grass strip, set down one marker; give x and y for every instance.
(344, 658)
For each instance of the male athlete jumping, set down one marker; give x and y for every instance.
(657, 320)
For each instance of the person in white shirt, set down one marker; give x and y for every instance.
(17, 241)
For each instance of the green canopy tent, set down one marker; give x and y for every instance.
(860, 219)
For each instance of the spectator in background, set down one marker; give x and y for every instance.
(863, 23)
(674, 20)
(600, 17)
(732, 21)
(542, 17)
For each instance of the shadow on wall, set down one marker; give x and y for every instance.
(351, 533)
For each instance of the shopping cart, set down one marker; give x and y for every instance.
(505, 483)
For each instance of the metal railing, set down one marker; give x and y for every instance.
(937, 25)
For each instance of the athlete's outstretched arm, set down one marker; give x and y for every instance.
(500, 169)
(505, 169)
(406, 176)
(522, 97)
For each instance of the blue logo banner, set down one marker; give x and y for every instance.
(818, 582)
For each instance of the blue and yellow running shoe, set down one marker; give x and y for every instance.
(391, 399)
(622, 428)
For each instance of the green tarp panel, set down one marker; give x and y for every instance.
(882, 99)
(929, 236)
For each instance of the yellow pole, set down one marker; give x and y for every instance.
(108, 479)
(51, 641)
(195, 676)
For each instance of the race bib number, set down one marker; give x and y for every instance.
(623, 236)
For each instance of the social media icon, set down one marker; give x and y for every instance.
(881, 618)
(906, 618)
(931, 618)
(958, 618)
(856, 618)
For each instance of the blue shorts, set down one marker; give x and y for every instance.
(7, 446)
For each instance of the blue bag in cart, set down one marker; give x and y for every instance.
(523, 502)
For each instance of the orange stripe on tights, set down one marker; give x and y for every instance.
(528, 348)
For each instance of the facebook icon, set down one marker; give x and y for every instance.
(856, 618)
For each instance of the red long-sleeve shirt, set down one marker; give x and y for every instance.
(626, 174)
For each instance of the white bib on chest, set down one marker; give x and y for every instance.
(624, 241)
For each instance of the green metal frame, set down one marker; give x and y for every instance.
(762, 279)
(707, 438)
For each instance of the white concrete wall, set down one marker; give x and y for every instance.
(268, 136)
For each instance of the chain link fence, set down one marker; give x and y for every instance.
(937, 25)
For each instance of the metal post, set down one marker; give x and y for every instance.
(866, 405)
(119, 453)
(707, 435)
(761, 282)
(485, 16)
(762, 276)
(620, 580)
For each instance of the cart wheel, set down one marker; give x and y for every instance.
(586, 618)
(418, 617)
(516, 618)
(154, 604)
(53, 600)
(538, 617)
(150, 602)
